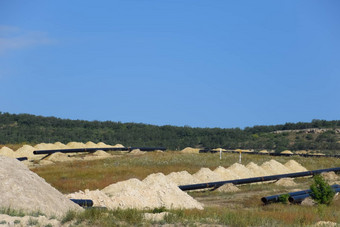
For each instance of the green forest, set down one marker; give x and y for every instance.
(31, 129)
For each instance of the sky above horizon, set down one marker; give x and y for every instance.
(196, 63)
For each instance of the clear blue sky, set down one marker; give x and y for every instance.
(180, 62)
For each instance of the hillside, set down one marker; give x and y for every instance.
(26, 128)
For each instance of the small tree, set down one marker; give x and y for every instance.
(322, 192)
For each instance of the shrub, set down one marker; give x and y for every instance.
(284, 198)
(321, 191)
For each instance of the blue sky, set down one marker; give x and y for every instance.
(180, 62)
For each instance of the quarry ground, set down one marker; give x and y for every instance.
(241, 208)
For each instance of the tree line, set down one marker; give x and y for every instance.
(31, 129)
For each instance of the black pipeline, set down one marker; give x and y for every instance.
(76, 150)
(255, 179)
(22, 159)
(83, 202)
(275, 198)
(300, 198)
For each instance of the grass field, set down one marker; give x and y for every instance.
(242, 208)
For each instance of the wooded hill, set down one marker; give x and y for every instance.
(31, 129)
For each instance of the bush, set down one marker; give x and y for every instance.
(284, 198)
(322, 192)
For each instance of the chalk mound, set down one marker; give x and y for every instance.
(293, 166)
(21, 189)
(182, 178)
(154, 191)
(287, 152)
(190, 150)
(286, 182)
(226, 174)
(8, 152)
(241, 170)
(273, 167)
(228, 188)
(205, 175)
(256, 170)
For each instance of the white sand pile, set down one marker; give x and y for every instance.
(182, 178)
(101, 153)
(226, 174)
(273, 168)
(90, 144)
(59, 145)
(75, 145)
(101, 144)
(241, 170)
(99, 198)
(21, 189)
(154, 191)
(286, 152)
(8, 152)
(205, 175)
(263, 152)
(301, 152)
(330, 176)
(190, 150)
(118, 145)
(136, 152)
(26, 151)
(58, 157)
(326, 224)
(256, 170)
(228, 188)
(286, 182)
(293, 166)
(45, 146)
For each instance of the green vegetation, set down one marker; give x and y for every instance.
(25, 128)
(322, 192)
(284, 198)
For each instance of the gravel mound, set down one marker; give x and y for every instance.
(293, 166)
(21, 189)
(154, 191)
(228, 188)
(286, 182)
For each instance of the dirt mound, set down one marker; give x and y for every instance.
(205, 175)
(99, 198)
(241, 170)
(101, 153)
(182, 178)
(59, 145)
(293, 166)
(8, 152)
(154, 191)
(263, 152)
(273, 167)
(90, 144)
(226, 174)
(228, 188)
(45, 146)
(75, 145)
(101, 144)
(286, 152)
(190, 150)
(21, 189)
(256, 170)
(58, 157)
(330, 176)
(26, 151)
(118, 145)
(136, 152)
(301, 152)
(286, 182)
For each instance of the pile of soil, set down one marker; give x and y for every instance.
(273, 167)
(287, 152)
(228, 188)
(226, 174)
(182, 178)
(21, 189)
(257, 171)
(286, 182)
(8, 152)
(293, 166)
(190, 150)
(136, 152)
(205, 175)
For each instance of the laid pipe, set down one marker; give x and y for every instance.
(83, 202)
(76, 150)
(275, 198)
(22, 159)
(254, 179)
(300, 198)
